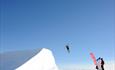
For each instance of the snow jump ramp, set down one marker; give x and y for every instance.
(37, 60)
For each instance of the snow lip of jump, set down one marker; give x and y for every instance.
(44, 60)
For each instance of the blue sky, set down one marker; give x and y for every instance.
(87, 25)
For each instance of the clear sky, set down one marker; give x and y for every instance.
(87, 25)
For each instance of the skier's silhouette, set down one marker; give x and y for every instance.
(67, 47)
(102, 63)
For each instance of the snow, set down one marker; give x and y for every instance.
(44, 60)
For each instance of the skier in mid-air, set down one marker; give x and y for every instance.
(68, 49)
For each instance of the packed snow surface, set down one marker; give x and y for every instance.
(44, 60)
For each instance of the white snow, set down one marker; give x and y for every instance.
(44, 60)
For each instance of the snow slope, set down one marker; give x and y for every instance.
(44, 60)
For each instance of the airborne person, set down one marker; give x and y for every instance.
(67, 47)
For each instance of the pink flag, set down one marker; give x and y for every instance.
(93, 58)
